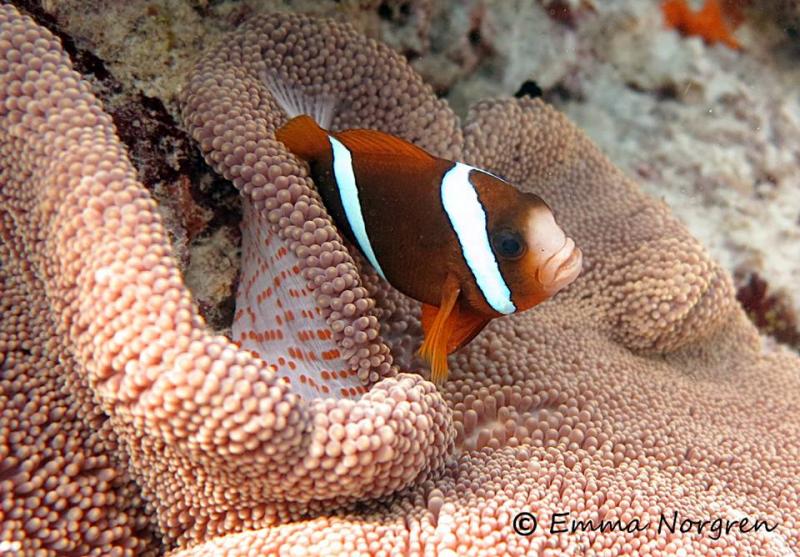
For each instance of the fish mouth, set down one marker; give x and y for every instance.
(561, 268)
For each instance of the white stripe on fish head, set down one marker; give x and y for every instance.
(468, 219)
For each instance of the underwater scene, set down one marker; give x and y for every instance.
(399, 277)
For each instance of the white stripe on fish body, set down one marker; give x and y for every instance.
(468, 219)
(348, 193)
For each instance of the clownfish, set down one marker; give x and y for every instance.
(464, 242)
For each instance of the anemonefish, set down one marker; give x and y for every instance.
(464, 242)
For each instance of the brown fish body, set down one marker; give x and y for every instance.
(412, 236)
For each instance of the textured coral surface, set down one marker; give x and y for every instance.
(126, 428)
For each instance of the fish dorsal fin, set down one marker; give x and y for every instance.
(303, 137)
(294, 101)
(373, 142)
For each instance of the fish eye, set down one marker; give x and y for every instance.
(508, 244)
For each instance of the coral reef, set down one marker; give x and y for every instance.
(642, 390)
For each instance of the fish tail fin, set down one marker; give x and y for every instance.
(303, 137)
(294, 101)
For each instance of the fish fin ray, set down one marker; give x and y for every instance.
(466, 327)
(293, 101)
(437, 333)
(428, 315)
(373, 142)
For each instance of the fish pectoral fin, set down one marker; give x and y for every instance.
(466, 326)
(437, 326)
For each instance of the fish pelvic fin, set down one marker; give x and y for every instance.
(435, 320)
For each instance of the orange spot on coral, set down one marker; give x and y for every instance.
(712, 22)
